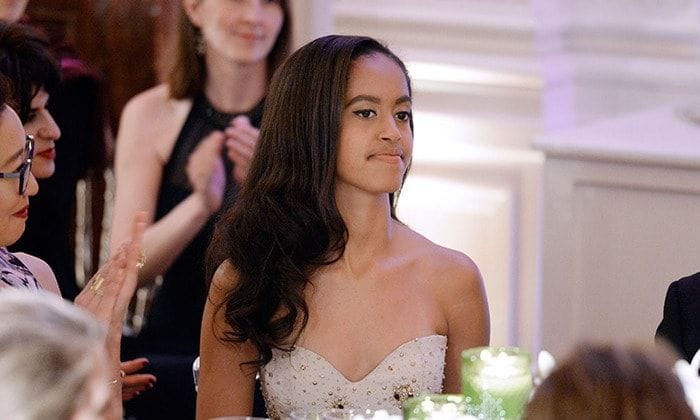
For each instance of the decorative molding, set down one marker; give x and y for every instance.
(607, 259)
(492, 27)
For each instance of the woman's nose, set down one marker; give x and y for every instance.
(49, 130)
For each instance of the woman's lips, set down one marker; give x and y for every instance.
(22, 214)
(388, 157)
(48, 154)
(250, 37)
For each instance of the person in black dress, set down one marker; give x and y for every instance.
(183, 149)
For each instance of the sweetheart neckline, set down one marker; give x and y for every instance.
(371, 372)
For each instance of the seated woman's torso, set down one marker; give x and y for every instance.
(371, 341)
(304, 381)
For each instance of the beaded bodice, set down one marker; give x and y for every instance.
(302, 380)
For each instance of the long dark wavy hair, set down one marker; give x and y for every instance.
(285, 223)
(188, 68)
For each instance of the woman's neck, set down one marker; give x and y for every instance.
(234, 87)
(370, 229)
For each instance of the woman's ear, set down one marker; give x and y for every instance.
(191, 8)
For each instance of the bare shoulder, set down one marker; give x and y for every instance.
(153, 115)
(156, 97)
(154, 107)
(224, 280)
(450, 272)
(41, 270)
(439, 260)
(457, 287)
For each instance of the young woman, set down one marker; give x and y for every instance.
(319, 287)
(107, 294)
(182, 149)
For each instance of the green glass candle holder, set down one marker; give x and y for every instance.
(435, 406)
(496, 381)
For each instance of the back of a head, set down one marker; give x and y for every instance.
(27, 61)
(48, 354)
(610, 382)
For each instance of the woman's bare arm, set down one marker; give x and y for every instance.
(148, 129)
(225, 387)
(463, 301)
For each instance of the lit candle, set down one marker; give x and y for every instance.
(496, 381)
(436, 407)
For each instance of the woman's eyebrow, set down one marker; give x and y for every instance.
(359, 98)
(376, 100)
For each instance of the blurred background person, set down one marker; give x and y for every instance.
(611, 382)
(73, 111)
(183, 149)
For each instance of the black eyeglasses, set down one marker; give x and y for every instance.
(23, 173)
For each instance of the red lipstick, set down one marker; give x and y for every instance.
(48, 154)
(22, 214)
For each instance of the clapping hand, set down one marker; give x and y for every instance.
(106, 296)
(241, 139)
(205, 170)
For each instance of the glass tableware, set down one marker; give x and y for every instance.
(496, 381)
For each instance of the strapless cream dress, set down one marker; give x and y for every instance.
(304, 381)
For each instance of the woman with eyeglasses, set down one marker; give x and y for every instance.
(33, 76)
(106, 296)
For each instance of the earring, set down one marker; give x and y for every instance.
(199, 45)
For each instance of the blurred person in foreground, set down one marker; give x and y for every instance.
(53, 364)
(609, 382)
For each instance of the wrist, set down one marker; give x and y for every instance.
(204, 206)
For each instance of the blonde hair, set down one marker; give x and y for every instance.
(48, 349)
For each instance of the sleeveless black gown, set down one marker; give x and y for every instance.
(170, 338)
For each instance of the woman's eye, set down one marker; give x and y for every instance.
(32, 115)
(403, 116)
(365, 113)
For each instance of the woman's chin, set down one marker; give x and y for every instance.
(11, 234)
(43, 170)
